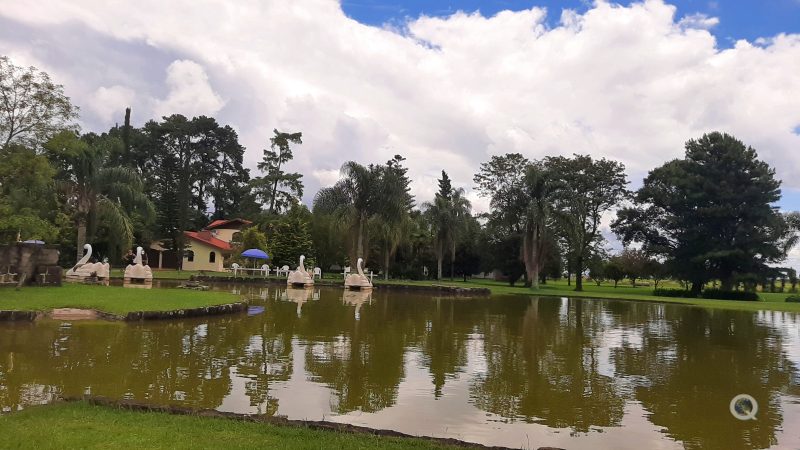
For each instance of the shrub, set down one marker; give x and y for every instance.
(730, 295)
(793, 299)
(662, 292)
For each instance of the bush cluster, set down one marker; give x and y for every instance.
(793, 299)
(730, 295)
(662, 292)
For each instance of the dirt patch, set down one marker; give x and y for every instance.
(73, 314)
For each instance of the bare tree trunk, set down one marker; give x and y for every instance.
(386, 264)
(452, 259)
(579, 273)
(439, 257)
(81, 239)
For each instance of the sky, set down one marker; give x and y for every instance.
(446, 84)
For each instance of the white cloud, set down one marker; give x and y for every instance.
(106, 101)
(190, 92)
(699, 21)
(631, 83)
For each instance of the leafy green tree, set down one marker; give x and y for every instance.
(98, 195)
(656, 270)
(710, 214)
(32, 107)
(188, 164)
(586, 188)
(290, 236)
(634, 264)
(502, 251)
(614, 270)
(468, 254)
(597, 268)
(27, 198)
(328, 240)
(277, 188)
(503, 180)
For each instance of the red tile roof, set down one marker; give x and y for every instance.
(222, 223)
(208, 238)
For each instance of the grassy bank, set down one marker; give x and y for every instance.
(110, 299)
(80, 425)
(769, 301)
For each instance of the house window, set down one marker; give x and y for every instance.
(212, 257)
(189, 255)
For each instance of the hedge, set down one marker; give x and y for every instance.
(730, 295)
(662, 292)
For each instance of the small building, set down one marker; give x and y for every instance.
(208, 248)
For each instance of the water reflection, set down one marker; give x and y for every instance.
(500, 371)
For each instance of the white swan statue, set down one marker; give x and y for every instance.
(137, 271)
(358, 280)
(84, 269)
(300, 277)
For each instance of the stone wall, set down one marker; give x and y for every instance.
(29, 259)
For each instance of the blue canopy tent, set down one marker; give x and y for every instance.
(255, 254)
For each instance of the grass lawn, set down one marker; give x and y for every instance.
(111, 299)
(769, 301)
(80, 425)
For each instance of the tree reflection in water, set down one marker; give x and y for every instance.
(566, 364)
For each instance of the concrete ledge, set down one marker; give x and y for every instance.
(436, 288)
(29, 316)
(84, 314)
(184, 313)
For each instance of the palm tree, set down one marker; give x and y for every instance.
(352, 201)
(447, 218)
(100, 195)
(460, 211)
(539, 188)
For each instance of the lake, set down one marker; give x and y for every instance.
(508, 370)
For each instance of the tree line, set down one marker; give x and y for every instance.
(710, 216)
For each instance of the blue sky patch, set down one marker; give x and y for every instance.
(738, 19)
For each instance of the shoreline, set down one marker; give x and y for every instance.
(133, 316)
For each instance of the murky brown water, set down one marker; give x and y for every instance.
(516, 371)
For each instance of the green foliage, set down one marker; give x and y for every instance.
(448, 216)
(27, 197)
(722, 294)
(709, 214)
(365, 194)
(662, 292)
(187, 164)
(97, 195)
(586, 188)
(289, 237)
(33, 107)
(793, 299)
(253, 238)
(278, 188)
(614, 270)
(634, 264)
